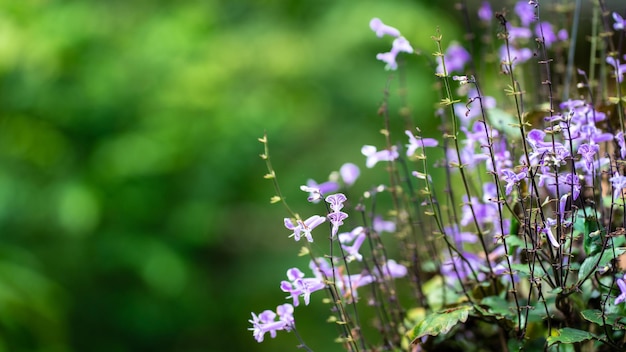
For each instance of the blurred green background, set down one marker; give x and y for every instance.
(133, 212)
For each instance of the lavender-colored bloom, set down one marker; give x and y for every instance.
(266, 322)
(519, 32)
(517, 56)
(619, 138)
(337, 216)
(562, 204)
(298, 286)
(526, 12)
(547, 229)
(588, 151)
(618, 182)
(455, 59)
(511, 179)
(304, 227)
(621, 283)
(484, 12)
(467, 112)
(381, 29)
(619, 69)
(392, 269)
(619, 24)
(562, 35)
(352, 251)
(379, 225)
(549, 37)
(415, 143)
(374, 156)
(349, 173)
(399, 45)
(336, 201)
(316, 191)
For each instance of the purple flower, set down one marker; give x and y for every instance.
(298, 286)
(400, 44)
(619, 69)
(618, 182)
(588, 151)
(619, 138)
(547, 229)
(357, 237)
(415, 143)
(349, 173)
(513, 57)
(381, 29)
(316, 191)
(519, 32)
(304, 227)
(337, 216)
(455, 59)
(374, 156)
(379, 225)
(619, 24)
(511, 179)
(391, 269)
(266, 322)
(484, 12)
(526, 12)
(622, 287)
(549, 37)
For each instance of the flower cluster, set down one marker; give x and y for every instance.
(521, 223)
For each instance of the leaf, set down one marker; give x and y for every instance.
(504, 122)
(497, 306)
(589, 264)
(569, 335)
(616, 321)
(441, 322)
(593, 235)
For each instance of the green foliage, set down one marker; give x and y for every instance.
(441, 322)
(569, 336)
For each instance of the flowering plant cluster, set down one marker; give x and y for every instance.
(517, 244)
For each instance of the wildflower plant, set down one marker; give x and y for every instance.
(520, 245)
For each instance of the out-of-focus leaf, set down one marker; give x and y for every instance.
(441, 322)
(569, 336)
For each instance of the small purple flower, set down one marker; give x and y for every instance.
(266, 322)
(415, 143)
(374, 156)
(379, 225)
(337, 216)
(455, 59)
(352, 251)
(519, 32)
(526, 12)
(316, 191)
(399, 45)
(298, 286)
(513, 56)
(619, 69)
(588, 151)
(622, 287)
(349, 173)
(619, 138)
(511, 179)
(484, 12)
(547, 229)
(619, 24)
(381, 29)
(618, 182)
(392, 269)
(304, 227)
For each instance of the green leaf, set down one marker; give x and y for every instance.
(497, 306)
(441, 322)
(593, 235)
(589, 264)
(616, 321)
(504, 122)
(569, 335)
